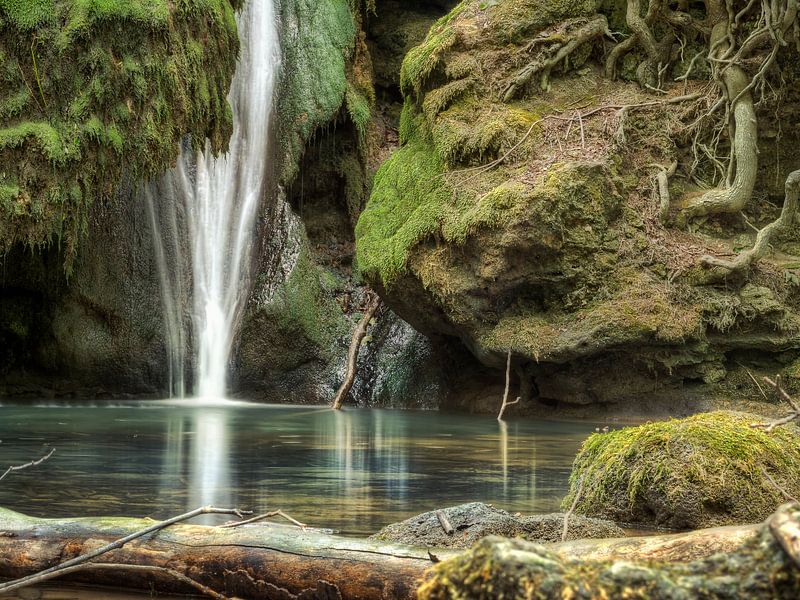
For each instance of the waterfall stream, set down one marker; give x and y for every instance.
(214, 202)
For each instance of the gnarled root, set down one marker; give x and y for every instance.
(595, 28)
(733, 198)
(745, 260)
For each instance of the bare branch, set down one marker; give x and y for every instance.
(33, 463)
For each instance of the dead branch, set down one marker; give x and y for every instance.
(355, 347)
(445, 523)
(795, 414)
(33, 463)
(571, 510)
(267, 515)
(506, 403)
(35, 578)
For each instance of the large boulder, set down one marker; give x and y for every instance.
(516, 222)
(706, 470)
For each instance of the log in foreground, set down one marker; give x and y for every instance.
(276, 561)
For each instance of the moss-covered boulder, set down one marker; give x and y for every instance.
(706, 470)
(527, 222)
(92, 88)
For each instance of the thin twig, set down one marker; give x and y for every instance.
(571, 510)
(783, 492)
(267, 515)
(33, 463)
(85, 558)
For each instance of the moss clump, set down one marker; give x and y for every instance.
(406, 206)
(95, 87)
(701, 471)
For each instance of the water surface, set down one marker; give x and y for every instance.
(352, 471)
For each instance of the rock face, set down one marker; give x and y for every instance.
(707, 470)
(512, 221)
(475, 520)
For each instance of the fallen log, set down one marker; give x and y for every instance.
(253, 561)
(763, 566)
(277, 561)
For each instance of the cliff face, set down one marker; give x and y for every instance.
(521, 212)
(99, 331)
(96, 96)
(493, 169)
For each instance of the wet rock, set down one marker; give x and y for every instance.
(475, 520)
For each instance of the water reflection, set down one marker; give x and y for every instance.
(354, 471)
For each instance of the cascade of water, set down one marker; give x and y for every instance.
(218, 198)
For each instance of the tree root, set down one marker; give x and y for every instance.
(745, 260)
(734, 197)
(542, 67)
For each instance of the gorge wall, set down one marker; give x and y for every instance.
(388, 116)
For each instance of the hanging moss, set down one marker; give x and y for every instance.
(92, 87)
(701, 471)
(318, 40)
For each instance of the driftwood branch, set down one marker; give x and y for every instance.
(33, 463)
(444, 522)
(267, 515)
(571, 510)
(352, 354)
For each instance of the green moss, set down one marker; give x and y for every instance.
(423, 59)
(358, 107)
(26, 14)
(304, 309)
(700, 471)
(98, 87)
(318, 41)
(405, 207)
(497, 568)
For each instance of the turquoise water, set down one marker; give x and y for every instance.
(352, 471)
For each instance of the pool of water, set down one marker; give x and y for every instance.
(352, 471)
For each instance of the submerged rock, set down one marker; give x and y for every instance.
(475, 520)
(707, 470)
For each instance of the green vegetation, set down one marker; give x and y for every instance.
(700, 471)
(98, 89)
(319, 40)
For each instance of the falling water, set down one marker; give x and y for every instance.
(218, 199)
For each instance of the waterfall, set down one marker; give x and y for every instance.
(214, 202)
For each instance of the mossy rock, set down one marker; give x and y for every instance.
(475, 520)
(92, 88)
(759, 569)
(706, 470)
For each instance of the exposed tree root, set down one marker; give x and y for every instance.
(745, 260)
(558, 54)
